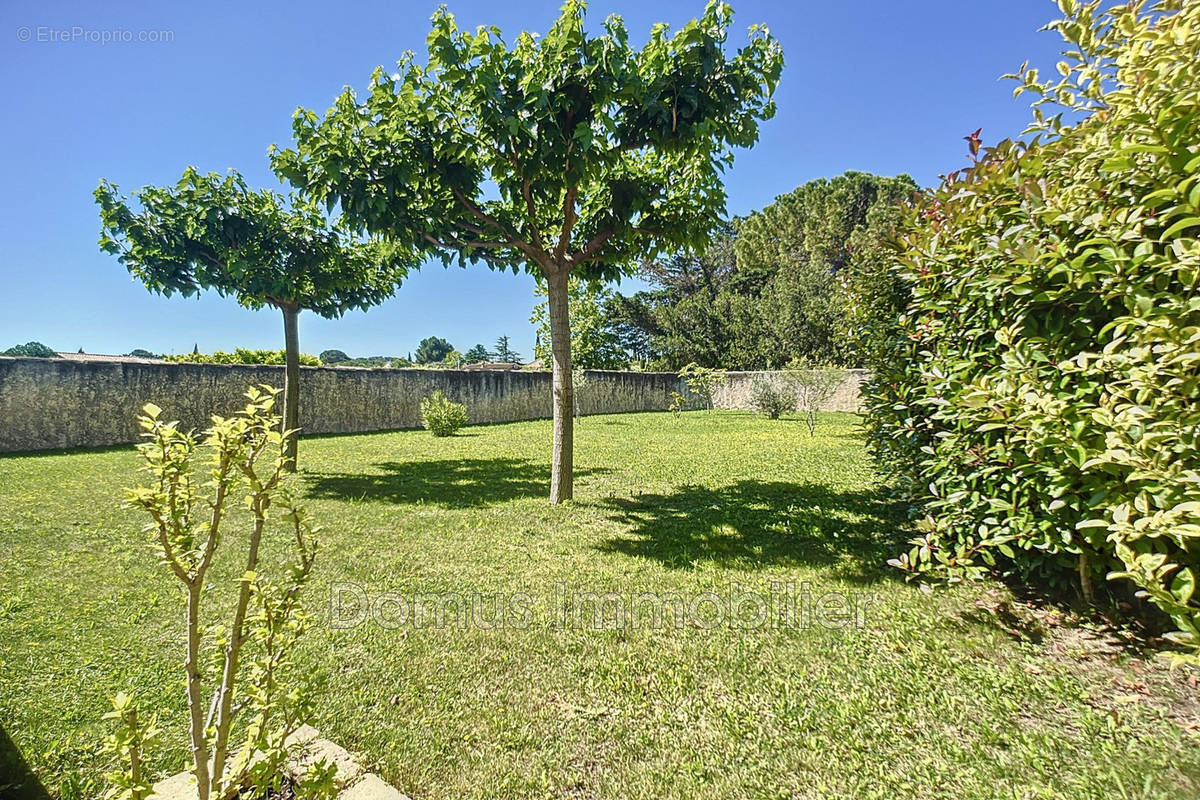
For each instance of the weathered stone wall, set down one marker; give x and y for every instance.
(49, 403)
(52, 403)
(734, 392)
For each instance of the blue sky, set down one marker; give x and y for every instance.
(885, 87)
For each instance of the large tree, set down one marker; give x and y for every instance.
(566, 154)
(433, 350)
(810, 241)
(213, 232)
(593, 343)
(504, 351)
(772, 287)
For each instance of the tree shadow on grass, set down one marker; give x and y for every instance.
(448, 483)
(753, 524)
(17, 781)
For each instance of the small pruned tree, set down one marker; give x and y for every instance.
(563, 155)
(702, 383)
(240, 683)
(213, 232)
(770, 399)
(813, 387)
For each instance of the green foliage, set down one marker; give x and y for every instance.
(593, 345)
(333, 357)
(441, 415)
(242, 355)
(804, 245)
(31, 350)
(248, 662)
(140, 353)
(702, 382)
(130, 741)
(213, 232)
(767, 398)
(772, 287)
(433, 350)
(564, 150)
(504, 351)
(1040, 397)
(478, 353)
(677, 405)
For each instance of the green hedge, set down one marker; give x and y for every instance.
(1040, 399)
(243, 356)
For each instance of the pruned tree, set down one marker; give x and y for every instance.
(213, 232)
(566, 154)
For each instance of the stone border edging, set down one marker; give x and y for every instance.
(353, 782)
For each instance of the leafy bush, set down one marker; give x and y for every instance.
(677, 405)
(31, 350)
(441, 415)
(1040, 398)
(768, 398)
(243, 356)
(140, 353)
(246, 664)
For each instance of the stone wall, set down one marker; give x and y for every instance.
(56, 403)
(734, 392)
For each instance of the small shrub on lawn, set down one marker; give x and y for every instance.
(770, 399)
(677, 405)
(441, 415)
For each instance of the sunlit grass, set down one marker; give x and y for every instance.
(927, 699)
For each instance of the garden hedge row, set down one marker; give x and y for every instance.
(1040, 397)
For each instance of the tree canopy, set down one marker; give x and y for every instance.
(433, 350)
(476, 354)
(210, 231)
(773, 287)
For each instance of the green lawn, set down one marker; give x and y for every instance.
(931, 697)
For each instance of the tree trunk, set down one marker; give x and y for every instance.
(562, 471)
(191, 665)
(291, 382)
